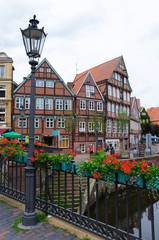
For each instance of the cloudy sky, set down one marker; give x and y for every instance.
(86, 33)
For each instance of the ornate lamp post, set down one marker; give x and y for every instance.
(33, 39)
(22, 114)
(97, 130)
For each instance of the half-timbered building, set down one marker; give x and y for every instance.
(53, 107)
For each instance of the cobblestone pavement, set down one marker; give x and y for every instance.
(8, 216)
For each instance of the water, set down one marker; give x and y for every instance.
(133, 212)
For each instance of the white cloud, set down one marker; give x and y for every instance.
(89, 33)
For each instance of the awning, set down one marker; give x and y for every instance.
(2, 130)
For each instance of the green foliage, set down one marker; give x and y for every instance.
(122, 120)
(15, 226)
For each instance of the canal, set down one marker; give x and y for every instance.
(133, 212)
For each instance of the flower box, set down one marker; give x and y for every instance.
(65, 166)
(121, 177)
(55, 167)
(88, 174)
(155, 184)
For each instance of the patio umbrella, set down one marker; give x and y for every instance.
(11, 135)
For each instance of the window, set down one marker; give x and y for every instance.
(48, 104)
(119, 77)
(82, 126)
(99, 106)
(108, 126)
(18, 102)
(127, 128)
(124, 95)
(91, 105)
(113, 107)
(2, 91)
(128, 97)
(49, 83)
(39, 83)
(121, 82)
(125, 80)
(100, 127)
(119, 128)
(49, 122)
(87, 91)
(64, 142)
(114, 127)
(109, 90)
(121, 96)
(114, 92)
(124, 109)
(61, 123)
(27, 103)
(22, 121)
(116, 76)
(2, 71)
(118, 93)
(109, 107)
(39, 103)
(128, 111)
(121, 109)
(36, 123)
(67, 104)
(91, 127)
(41, 70)
(48, 70)
(59, 104)
(117, 108)
(82, 147)
(2, 114)
(36, 138)
(121, 66)
(83, 104)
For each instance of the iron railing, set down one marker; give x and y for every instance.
(61, 194)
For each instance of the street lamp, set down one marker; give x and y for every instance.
(97, 130)
(33, 39)
(22, 114)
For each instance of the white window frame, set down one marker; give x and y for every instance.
(110, 90)
(67, 104)
(118, 93)
(39, 103)
(3, 112)
(48, 70)
(83, 148)
(39, 83)
(128, 97)
(92, 89)
(82, 126)
(91, 127)
(49, 122)
(61, 123)
(109, 127)
(128, 111)
(125, 80)
(48, 103)
(24, 120)
(41, 69)
(27, 103)
(36, 122)
(113, 108)
(36, 138)
(87, 91)
(116, 76)
(59, 104)
(82, 104)
(18, 102)
(100, 127)
(49, 83)
(3, 89)
(114, 92)
(91, 105)
(65, 138)
(124, 96)
(117, 108)
(109, 107)
(114, 127)
(100, 106)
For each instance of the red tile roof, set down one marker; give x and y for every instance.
(99, 73)
(153, 114)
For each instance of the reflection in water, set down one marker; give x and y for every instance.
(133, 212)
